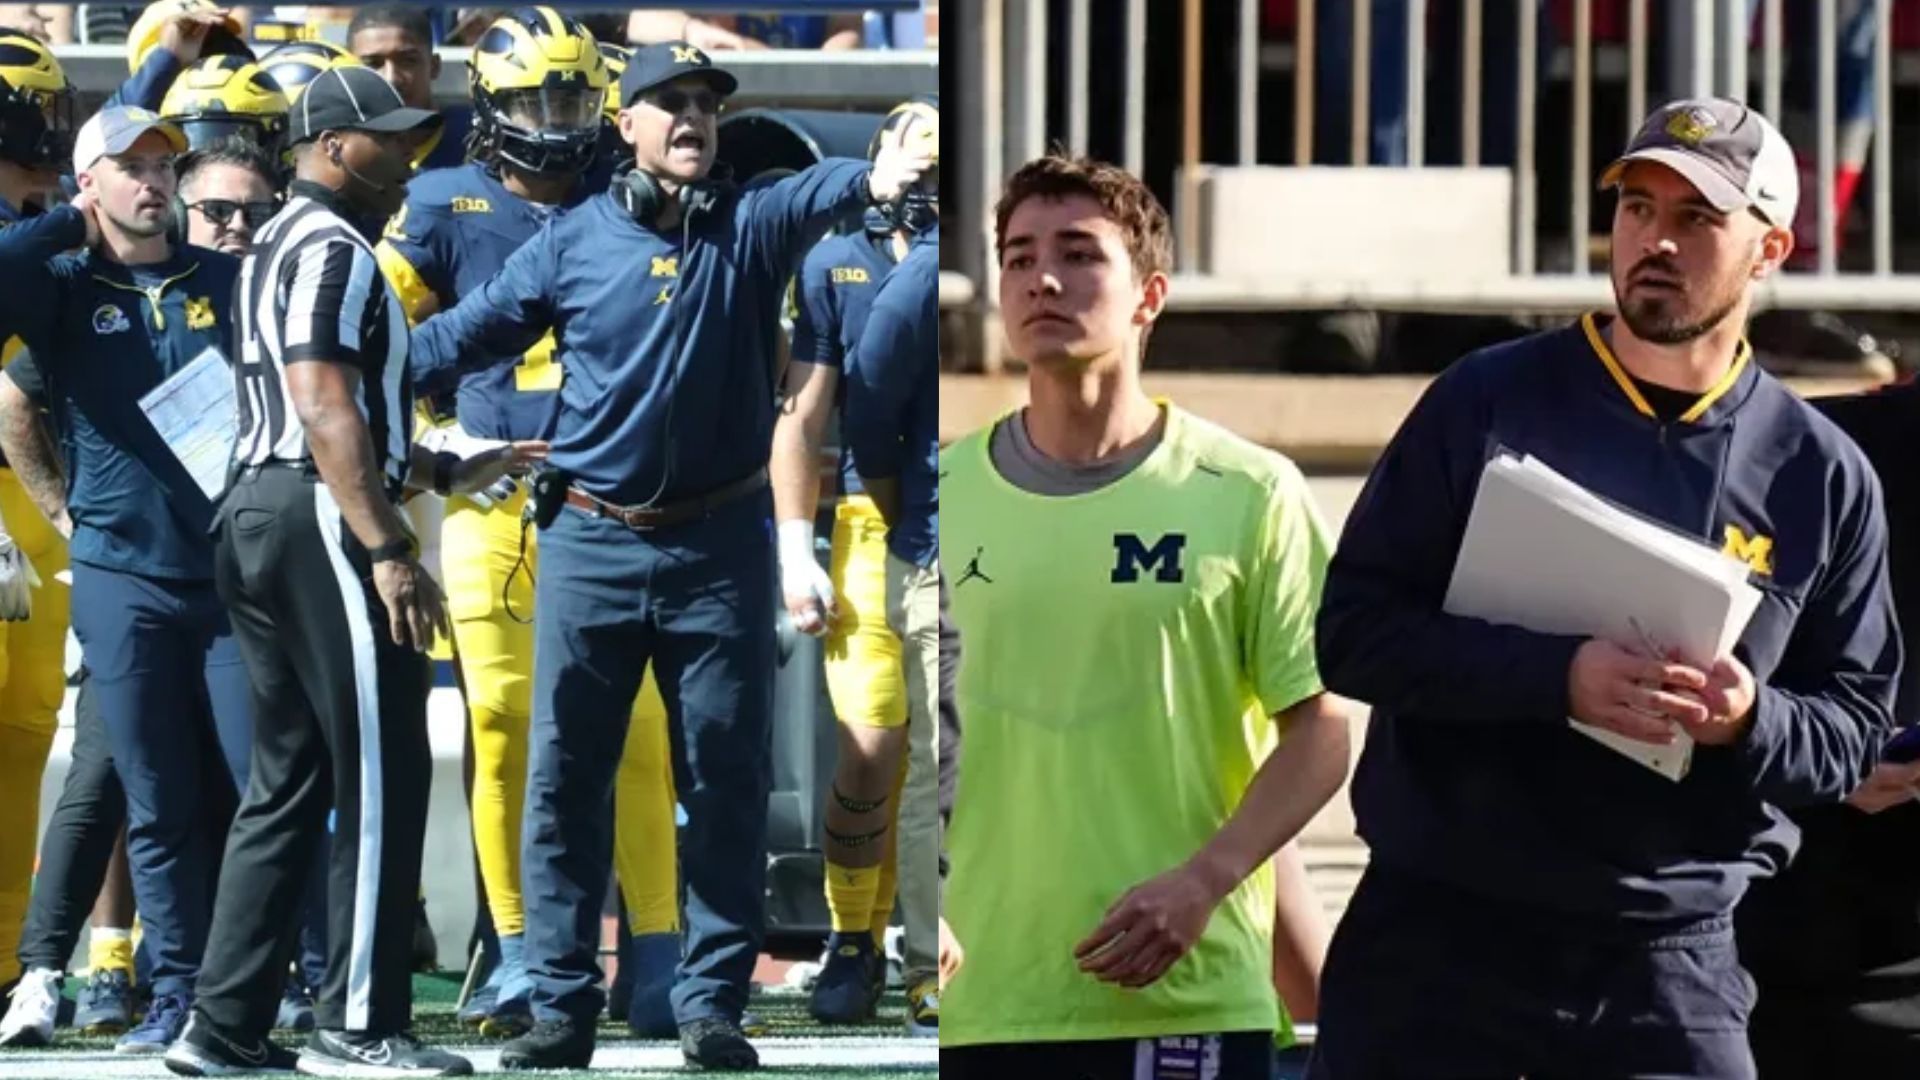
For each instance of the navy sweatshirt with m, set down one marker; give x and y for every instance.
(1471, 777)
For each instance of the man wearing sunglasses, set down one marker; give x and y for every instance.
(657, 540)
(226, 194)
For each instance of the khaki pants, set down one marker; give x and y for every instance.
(913, 612)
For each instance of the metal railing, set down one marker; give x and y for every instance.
(1005, 73)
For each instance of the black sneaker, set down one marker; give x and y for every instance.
(552, 1044)
(848, 988)
(354, 1053)
(201, 1050)
(714, 1042)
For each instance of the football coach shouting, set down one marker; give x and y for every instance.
(657, 540)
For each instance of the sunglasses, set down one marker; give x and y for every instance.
(677, 100)
(221, 211)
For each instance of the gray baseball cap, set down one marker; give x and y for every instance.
(1729, 152)
(112, 131)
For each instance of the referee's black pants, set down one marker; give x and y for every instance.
(340, 726)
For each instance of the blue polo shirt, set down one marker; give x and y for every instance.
(892, 418)
(832, 297)
(100, 336)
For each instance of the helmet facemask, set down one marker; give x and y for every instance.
(543, 130)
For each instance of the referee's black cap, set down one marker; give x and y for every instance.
(351, 98)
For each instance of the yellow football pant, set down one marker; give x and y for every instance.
(478, 551)
(865, 680)
(33, 680)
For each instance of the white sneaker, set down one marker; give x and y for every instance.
(36, 1001)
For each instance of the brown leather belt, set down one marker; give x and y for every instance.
(673, 513)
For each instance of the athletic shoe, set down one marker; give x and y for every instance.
(552, 1044)
(512, 1017)
(296, 1008)
(105, 1005)
(923, 1009)
(512, 1012)
(357, 1054)
(849, 987)
(35, 1006)
(653, 958)
(714, 1042)
(479, 1003)
(160, 1028)
(203, 1051)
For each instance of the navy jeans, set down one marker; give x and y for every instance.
(1424, 981)
(174, 697)
(697, 601)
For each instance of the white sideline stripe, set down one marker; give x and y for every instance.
(916, 1056)
(366, 685)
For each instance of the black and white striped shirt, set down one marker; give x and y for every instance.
(311, 290)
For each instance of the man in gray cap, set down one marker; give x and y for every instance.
(331, 608)
(1536, 902)
(104, 326)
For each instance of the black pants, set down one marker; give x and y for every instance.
(1240, 1055)
(78, 843)
(340, 725)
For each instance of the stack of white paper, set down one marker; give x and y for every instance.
(1544, 553)
(196, 412)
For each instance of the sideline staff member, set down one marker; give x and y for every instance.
(1536, 896)
(664, 550)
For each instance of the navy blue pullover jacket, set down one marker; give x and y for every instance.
(666, 340)
(1471, 776)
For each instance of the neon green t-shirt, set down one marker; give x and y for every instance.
(1123, 652)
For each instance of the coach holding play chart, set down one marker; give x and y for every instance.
(1537, 901)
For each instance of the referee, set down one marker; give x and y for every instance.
(313, 556)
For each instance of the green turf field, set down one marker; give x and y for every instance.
(793, 1045)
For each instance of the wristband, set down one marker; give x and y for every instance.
(392, 551)
(443, 465)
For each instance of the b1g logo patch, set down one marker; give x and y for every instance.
(1132, 557)
(109, 319)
